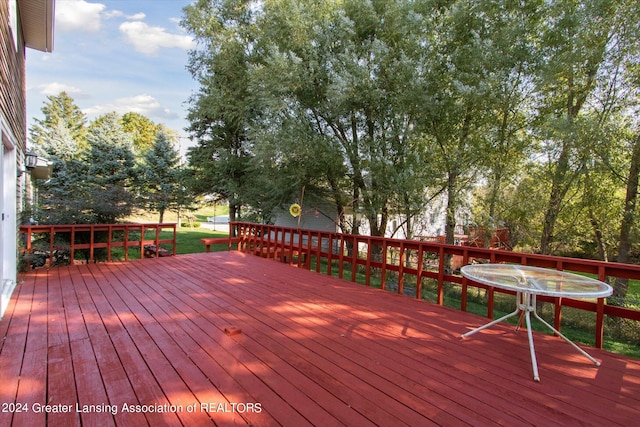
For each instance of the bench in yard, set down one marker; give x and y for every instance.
(209, 241)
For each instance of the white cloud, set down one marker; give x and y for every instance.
(149, 40)
(137, 17)
(55, 88)
(143, 104)
(73, 15)
(120, 14)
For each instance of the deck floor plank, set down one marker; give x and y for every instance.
(322, 353)
(128, 340)
(524, 411)
(573, 361)
(297, 387)
(232, 359)
(384, 362)
(278, 367)
(34, 362)
(178, 393)
(171, 342)
(377, 363)
(59, 361)
(14, 326)
(311, 350)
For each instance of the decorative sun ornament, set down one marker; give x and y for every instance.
(295, 210)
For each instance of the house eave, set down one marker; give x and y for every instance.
(37, 20)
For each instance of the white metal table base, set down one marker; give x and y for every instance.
(526, 304)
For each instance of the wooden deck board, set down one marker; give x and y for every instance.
(312, 350)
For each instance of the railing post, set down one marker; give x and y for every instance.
(109, 237)
(441, 264)
(72, 250)
(52, 234)
(557, 305)
(175, 240)
(600, 311)
(419, 273)
(465, 284)
(92, 239)
(28, 243)
(599, 323)
(142, 241)
(354, 258)
(300, 238)
(401, 259)
(330, 255)
(490, 301)
(383, 270)
(318, 252)
(341, 257)
(367, 274)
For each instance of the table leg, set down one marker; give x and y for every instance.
(526, 304)
(587, 355)
(532, 350)
(515, 313)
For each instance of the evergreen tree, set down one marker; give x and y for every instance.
(161, 187)
(59, 144)
(109, 171)
(221, 111)
(59, 109)
(62, 197)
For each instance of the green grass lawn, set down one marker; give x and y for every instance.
(188, 240)
(200, 215)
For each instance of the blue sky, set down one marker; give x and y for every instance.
(116, 55)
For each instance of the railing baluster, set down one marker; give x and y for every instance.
(419, 274)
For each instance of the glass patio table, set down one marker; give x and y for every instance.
(528, 283)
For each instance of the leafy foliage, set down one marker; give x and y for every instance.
(389, 108)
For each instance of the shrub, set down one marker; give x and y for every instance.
(194, 224)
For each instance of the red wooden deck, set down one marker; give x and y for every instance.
(228, 338)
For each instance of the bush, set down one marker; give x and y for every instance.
(193, 224)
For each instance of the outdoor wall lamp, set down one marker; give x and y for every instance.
(30, 162)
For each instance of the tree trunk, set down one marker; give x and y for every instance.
(450, 217)
(559, 188)
(621, 285)
(597, 232)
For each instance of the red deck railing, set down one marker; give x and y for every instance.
(111, 236)
(424, 260)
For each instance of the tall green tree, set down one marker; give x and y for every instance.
(220, 112)
(60, 138)
(109, 170)
(476, 60)
(575, 45)
(345, 73)
(161, 177)
(61, 198)
(142, 129)
(59, 109)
